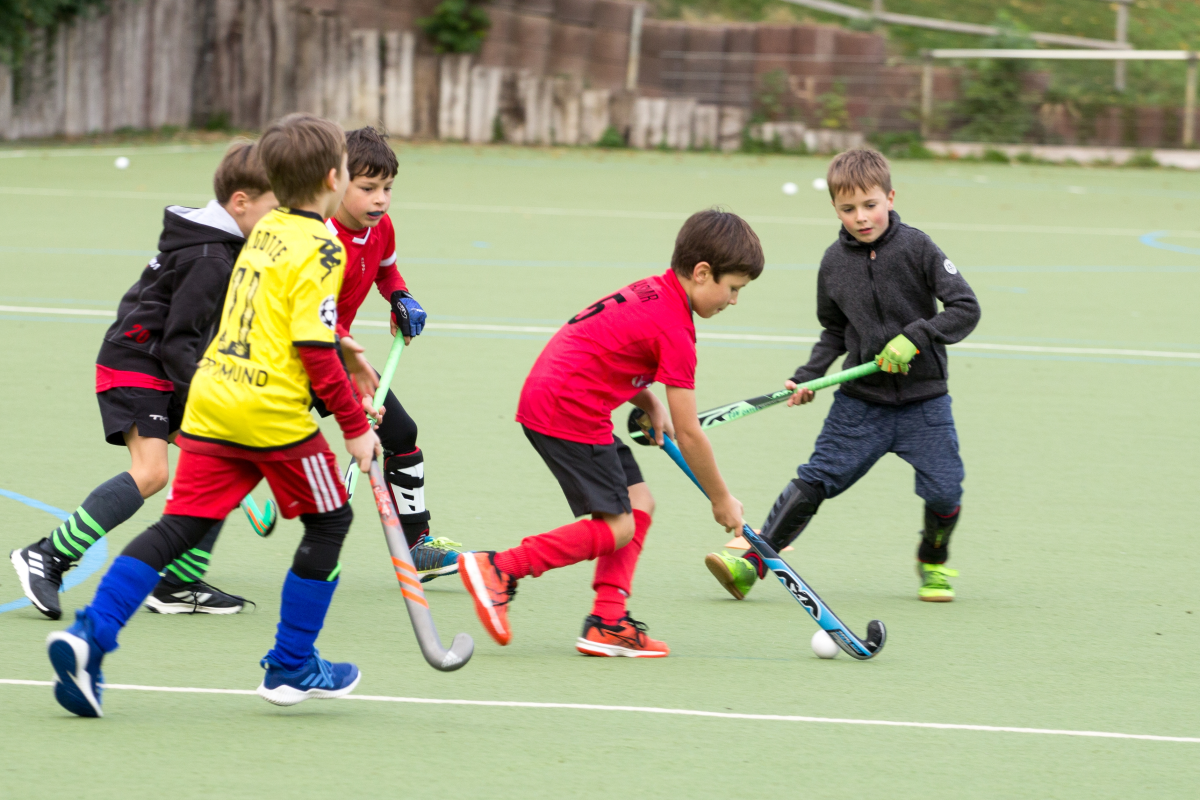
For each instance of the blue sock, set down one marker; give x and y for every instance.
(120, 594)
(301, 615)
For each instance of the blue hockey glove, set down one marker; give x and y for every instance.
(407, 314)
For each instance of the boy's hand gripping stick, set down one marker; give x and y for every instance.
(744, 408)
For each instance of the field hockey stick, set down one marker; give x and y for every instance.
(263, 522)
(410, 586)
(350, 480)
(791, 580)
(744, 408)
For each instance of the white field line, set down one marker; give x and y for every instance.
(677, 712)
(608, 213)
(733, 337)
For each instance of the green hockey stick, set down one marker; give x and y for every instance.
(744, 408)
(385, 383)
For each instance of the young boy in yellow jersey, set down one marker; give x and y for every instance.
(247, 418)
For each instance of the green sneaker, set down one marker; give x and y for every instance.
(434, 557)
(934, 586)
(735, 573)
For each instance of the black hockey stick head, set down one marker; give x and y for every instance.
(638, 424)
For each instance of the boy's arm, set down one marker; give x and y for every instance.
(660, 418)
(699, 455)
(195, 302)
(832, 343)
(330, 383)
(960, 308)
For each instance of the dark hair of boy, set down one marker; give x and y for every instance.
(861, 169)
(724, 240)
(240, 170)
(369, 154)
(297, 152)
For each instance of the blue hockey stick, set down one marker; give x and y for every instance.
(805, 596)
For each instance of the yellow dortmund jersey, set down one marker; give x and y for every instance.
(251, 389)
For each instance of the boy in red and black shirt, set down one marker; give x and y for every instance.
(608, 354)
(362, 224)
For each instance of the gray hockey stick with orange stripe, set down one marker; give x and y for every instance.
(438, 657)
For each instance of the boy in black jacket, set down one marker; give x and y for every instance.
(877, 299)
(145, 366)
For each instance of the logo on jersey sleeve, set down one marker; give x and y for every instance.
(949, 265)
(328, 312)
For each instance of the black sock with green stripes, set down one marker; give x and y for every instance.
(193, 564)
(109, 504)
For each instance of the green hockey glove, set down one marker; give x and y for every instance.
(896, 355)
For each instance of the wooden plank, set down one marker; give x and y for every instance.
(397, 111)
(363, 73)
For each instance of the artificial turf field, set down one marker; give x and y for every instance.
(1075, 411)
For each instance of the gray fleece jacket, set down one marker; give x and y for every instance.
(869, 293)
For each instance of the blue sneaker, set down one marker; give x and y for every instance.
(317, 679)
(76, 660)
(434, 557)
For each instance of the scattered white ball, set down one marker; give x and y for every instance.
(121, 163)
(824, 646)
(790, 188)
(820, 184)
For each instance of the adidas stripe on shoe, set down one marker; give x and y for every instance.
(318, 679)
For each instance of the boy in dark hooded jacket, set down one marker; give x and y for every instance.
(143, 371)
(878, 290)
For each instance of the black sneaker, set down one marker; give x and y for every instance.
(193, 598)
(40, 570)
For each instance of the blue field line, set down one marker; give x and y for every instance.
(93, 559)
(1152, 240)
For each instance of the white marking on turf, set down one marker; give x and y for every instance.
(674, 216)
(735, 337)
(679, 712)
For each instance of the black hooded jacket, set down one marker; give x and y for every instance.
(166, 320)
(869, 293)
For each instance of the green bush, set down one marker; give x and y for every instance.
(908, 144)
(19, 17)
(611, 138)
(456, 26)
(994, 156)
(835, 113)
(993, 99)
(1142, 159)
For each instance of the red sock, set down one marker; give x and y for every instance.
(561, 547)
(614, 573)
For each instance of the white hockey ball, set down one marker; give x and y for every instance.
(820, 184)
(121, 163)
(824, 646)
(790, 188)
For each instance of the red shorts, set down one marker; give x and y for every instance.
(211, 486)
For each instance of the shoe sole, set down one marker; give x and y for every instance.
(937, 599)
(69, 656)
(290, 696)
(590, 648)
(716, 565)
(159, 607)
(472, 579)
(430, 574)
(22, 570)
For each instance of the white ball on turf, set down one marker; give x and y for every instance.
(121, 163)
(820, 184)
(824, 646)
(790, 188)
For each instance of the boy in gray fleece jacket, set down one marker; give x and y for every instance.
(877, 299)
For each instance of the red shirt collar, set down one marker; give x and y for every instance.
(671, 283)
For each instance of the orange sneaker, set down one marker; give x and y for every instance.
(491, 589)
(627, 638)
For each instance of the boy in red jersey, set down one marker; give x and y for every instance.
(247, 418)
(365, 230)
(609, 354)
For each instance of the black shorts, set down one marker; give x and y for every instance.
(156, 414)
(594, 477)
